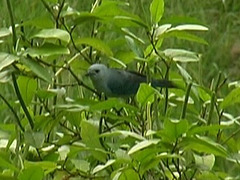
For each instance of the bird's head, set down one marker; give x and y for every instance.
(97, 72)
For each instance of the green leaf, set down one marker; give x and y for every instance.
(134, 47)
(47, 50)
(231, 99)
(145, 94)
(184, 73)
(38, 69)
(175, 128)
(184, 35)
(97, 44)
(206, 162)
(53, 34)
(6, 164)
(90, 136)
(181, 55)
(27, 87)
(141, 145)
(40, 22)
(47, 166)
(126, 174)
(6, 60)
(35, 139)
(129, 21)
(122, 133)
(189, 27)
(204, 145)
(112, 103)
(102, 167)
(157, 10)
(202, 129)
(4, 32)
(81, 165)
(86, 17)
(31, 173)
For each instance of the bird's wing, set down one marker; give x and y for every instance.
(124, 83)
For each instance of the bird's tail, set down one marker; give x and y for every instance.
(163, 83)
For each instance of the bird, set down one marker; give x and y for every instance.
(120, 83)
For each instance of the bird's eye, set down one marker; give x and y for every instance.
(97, 71)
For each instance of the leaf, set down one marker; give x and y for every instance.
(47, 166)
(97, 44)
(206, 162)
(81, 165)
(133, 36)
(232, 98)
(181, 55)
(157, 10)
(102, 167)
(40, 22)
(90, 136)
(86, 17)
(35, 139)
(38, 69)
(112, 103)
(141, 145)
(145, 94)
(6, 164)
(175, 128)
(47, 50)
(124, 134)
(126, 174)
(192, 27)
(134, 47)
(6, 59)
(53, 34)
(184, 35)
(33, 172)
(126, 21)
(27, 87)
(184, 73)
(202, 129)
(4, 32)
(204, 145)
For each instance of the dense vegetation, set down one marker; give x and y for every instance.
(55, 126)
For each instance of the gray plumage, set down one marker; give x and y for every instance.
(120, 83)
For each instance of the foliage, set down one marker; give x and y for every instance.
(56, 126)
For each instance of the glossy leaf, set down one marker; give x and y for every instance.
(6, 60)
(90, 136)
(141, 145)
(97, 44)
(145, 94)
(206, 162)
(111, 103)
(81, 165)
(38, 69)
(4, 32)
(175, 128)
(27, 87)
(122, 133)
(231, 99)
(204, 145)
(192, 27)
(181, 55)
(102, 167)
(53, 34)
(157, 10)
(35, 139)
(86, 17)
(47, 50)
(33, 172)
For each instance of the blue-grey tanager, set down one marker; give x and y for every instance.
(120, 83)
